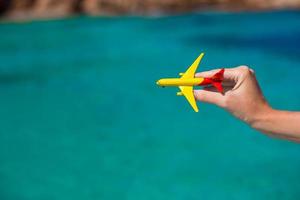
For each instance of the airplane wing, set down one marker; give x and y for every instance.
(187, 91)
(190, 73)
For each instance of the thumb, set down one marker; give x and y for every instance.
(209, 97)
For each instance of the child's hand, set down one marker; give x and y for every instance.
(242, 95)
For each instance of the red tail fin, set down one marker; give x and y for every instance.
(219, 76)
(218, 85)
(217, 80)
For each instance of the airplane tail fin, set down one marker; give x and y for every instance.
(218, 86)
(219, 76)
(217, 79)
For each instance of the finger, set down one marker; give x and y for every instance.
(209, 97)
(230, 74)
(213, 89)
(207, 74)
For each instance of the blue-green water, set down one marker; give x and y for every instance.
(82, 118)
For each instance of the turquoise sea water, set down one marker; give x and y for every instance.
(82, 118)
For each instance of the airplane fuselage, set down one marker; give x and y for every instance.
(180, 82)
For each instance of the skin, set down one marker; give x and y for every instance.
(244, 99)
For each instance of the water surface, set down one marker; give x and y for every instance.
(82, 118)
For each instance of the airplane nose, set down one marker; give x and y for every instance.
(157, 83)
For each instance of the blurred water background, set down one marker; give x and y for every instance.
(82, 118)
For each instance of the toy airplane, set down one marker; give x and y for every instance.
(187, 81)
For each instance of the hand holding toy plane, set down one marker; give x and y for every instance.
(188, 80)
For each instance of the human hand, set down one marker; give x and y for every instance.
(242, 95)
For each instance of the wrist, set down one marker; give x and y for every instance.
(262, 117)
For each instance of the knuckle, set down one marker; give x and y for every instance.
(252, 71)
(224, 103)
(228, 100)
(245, 70)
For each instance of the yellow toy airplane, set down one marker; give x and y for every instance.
(187, 81)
